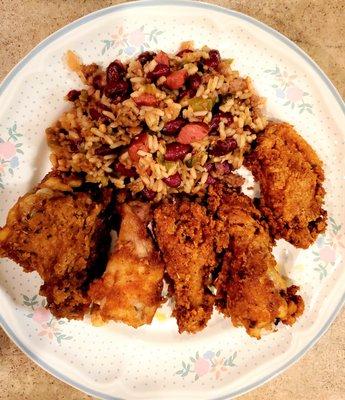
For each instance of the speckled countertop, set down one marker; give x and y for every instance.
(318, 27)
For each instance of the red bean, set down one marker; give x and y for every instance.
(122, 170)
(210, 180)
(159, 70)
(173, 126)
(214, 124)
(209, 167)
(214, 59)
(139, 142)
(104, 151)
(115, 89)
(148, 194)
(186, 93)
(115, 71)
(194, 81)
(99, 81)
(193, 132)
(146, 99)
(182, 52)
(177, 151)
(94, 113)
(73, 95)
(145, 57)
(176, 79)
(173, 181)
(223, 168)
(223, 147)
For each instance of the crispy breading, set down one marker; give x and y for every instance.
(184, 234)
(290, 176)
(249, 287)
(61, 230)
(130, 289)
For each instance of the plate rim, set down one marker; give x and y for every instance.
(184, 3)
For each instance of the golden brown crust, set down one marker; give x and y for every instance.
(249, 287)
(63, 235)
(184, 234)
(130, 289)
(290, 176)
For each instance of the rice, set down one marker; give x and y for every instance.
(119, 122)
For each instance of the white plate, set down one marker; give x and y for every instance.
(154, 362)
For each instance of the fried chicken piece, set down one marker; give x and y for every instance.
(184, 235)
(290, 176)
(61, 230)
(249, 287)
(130, 289)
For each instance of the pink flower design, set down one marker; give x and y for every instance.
(7, 150)
(136, 38)
(219, 367)
(294, 94)
(327, 254)
(41, 315)
(202, 366)
(49, 330)
(2, 168)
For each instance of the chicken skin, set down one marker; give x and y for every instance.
(60, 229)
(290, 176)
(185, 238)
(130, 289)
(249, 287)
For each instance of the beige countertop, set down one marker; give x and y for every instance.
(315, 25)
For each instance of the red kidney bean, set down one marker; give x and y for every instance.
(176, 79)
(104, 151)
(209, 167)
(214, 59)
(148, 194)
(99, 81)
(193, 132)
(210, 180)
(114, 89)
(159, 70)
(214, 124)
(177, 151)
(115, 71)
(145, 57)
(73, 95)
(94, 113)
(223, 168)
(194, 81)
(223, 147)
(146, 99)
(173, 126)
(182, 52)
(186, 93)
(139, 142)
(173, 181)
(122, 170)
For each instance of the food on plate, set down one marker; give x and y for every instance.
(250, 289)
(158, 123)
(61, 230)
(184, 235)
(130, 289)
(150, 148)
(290, 175)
